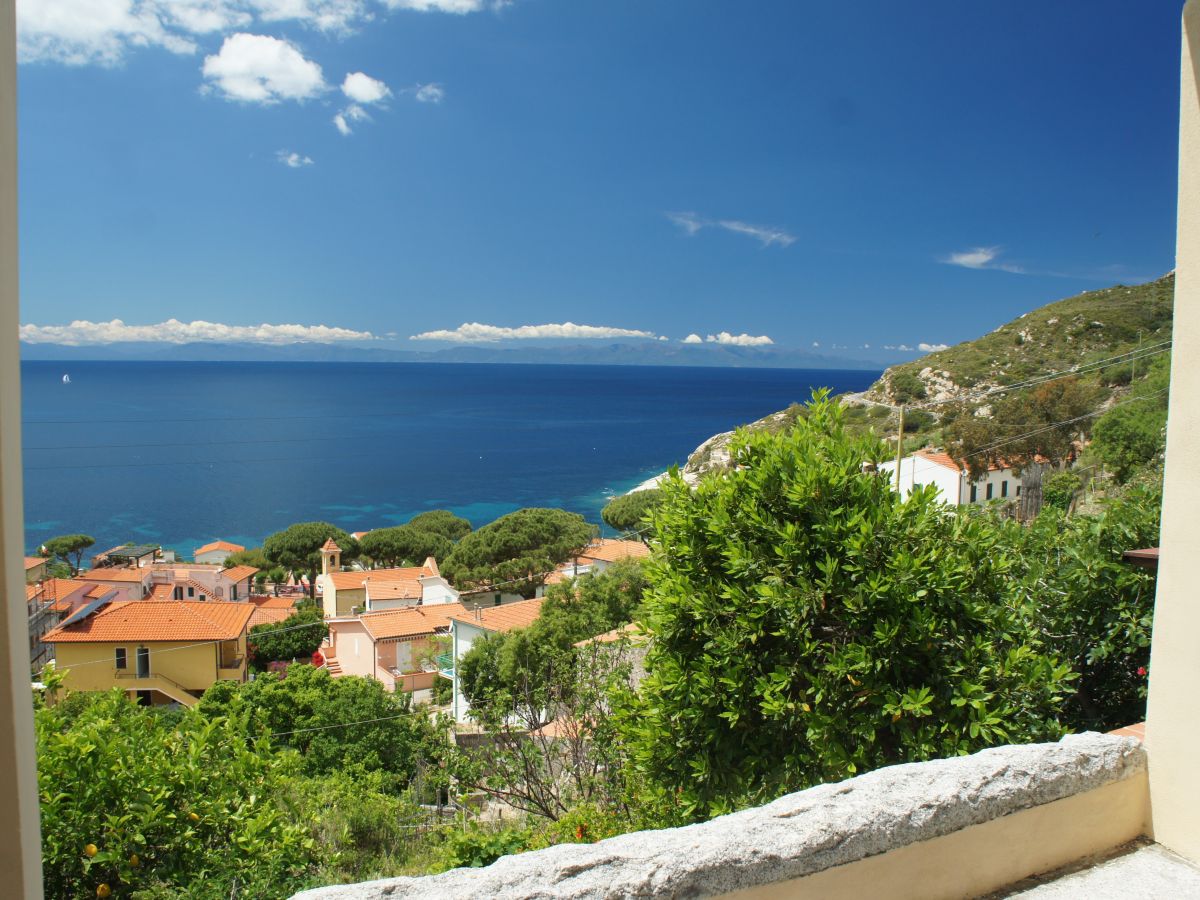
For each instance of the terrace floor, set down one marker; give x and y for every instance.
(1142, 870)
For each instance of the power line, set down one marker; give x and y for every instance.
(341, 725)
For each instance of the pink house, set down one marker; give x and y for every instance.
(389, 645)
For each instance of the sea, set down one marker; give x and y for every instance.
(180, 453)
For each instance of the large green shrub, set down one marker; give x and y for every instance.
(164, 806)
(808, 624)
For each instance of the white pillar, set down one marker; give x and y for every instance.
(1173, 726)
(20, 832)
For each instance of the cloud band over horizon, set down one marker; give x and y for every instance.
(173, 331)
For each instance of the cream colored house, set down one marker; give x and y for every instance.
(216, 552)
(345, 593)
(169, 652)
(391, 646)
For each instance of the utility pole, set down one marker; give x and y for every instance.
(899, 446)
(1133, 362)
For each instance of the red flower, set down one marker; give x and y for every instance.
(580, 832)
(1142, 670)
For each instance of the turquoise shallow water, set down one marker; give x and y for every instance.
(180, 453)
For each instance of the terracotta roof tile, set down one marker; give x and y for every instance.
(161, 592)
(330, 544)
(274, 602)
(265, 614)
(219, 545)
(353, 580)
(238, 573)
(506, 617)
(115, 573)
(631, 632)
(135, 620)
(32, 562)
(411, 621)
(611, 550)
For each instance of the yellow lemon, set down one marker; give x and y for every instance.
(193, 817)
(103, 891)
(895, 717)
(90, 850)
(134, 861)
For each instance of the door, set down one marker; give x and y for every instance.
(143, 662)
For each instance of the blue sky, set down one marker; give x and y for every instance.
(842, 174)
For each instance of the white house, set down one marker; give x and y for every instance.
(472, 624)
(216, 552)
(599, 555)
(954, 484)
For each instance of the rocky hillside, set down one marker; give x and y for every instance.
(1060, 336)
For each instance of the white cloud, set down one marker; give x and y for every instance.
(430, 93)
(691, 224)
(903, 347)
(739, 340)
(693, 338)
(173, 331)
(104, 32)
(460, 7)
(352, 113)
(816, 343)
(257, 68)
(475, 332)
(362, 88)
(292, 159)
(981, 258)
(83, 32)
(932, 348)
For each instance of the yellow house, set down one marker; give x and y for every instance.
(159, 652)
(35, 569)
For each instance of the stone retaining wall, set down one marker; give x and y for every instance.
(797, 835)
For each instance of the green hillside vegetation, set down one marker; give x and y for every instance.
(1060, 335)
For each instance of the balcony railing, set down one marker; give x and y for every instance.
(445, 665)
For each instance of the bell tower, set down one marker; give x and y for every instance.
(331, 557)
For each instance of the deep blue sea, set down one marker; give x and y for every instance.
(181, 453)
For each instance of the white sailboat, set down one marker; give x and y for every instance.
(66, 379)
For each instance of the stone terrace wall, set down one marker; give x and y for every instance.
(796, 835)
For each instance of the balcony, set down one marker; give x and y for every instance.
(445, 665)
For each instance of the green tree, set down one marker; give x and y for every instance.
(518, 549)
(347, 724)
(254, 556)
(69, 548)
(298, 548)
(443, 522)
(1132, 436)
(628, 512)
(808, 624)
(296, 637)
(1045, 422)
(1059, 489)
(907, 386)
(403, 545)
(157, 807)
(513, 665)
(1093, 609)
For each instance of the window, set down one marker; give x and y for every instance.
(497, 601)
(233, 596)
(191, 591)
(1004, 489)
(974, 492)
(143, 662)
(1018, 490)
(178, 593)
(989, 490)
(122, 662)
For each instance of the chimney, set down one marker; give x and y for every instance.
(478, 614)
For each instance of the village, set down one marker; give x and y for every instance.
(164, 630)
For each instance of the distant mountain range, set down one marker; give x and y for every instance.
(642, 353)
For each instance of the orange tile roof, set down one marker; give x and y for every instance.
(161, 592)
(411, 621)
(430, 566)
(32, 562)
(238, 573)
(330, 545)
(358, 535)
(135, 620)
(352, 580)
(506, 617)
(611, 550)
(115, 573)
(941, 458)
(265, 614)
(219, 545)
(274, 602)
